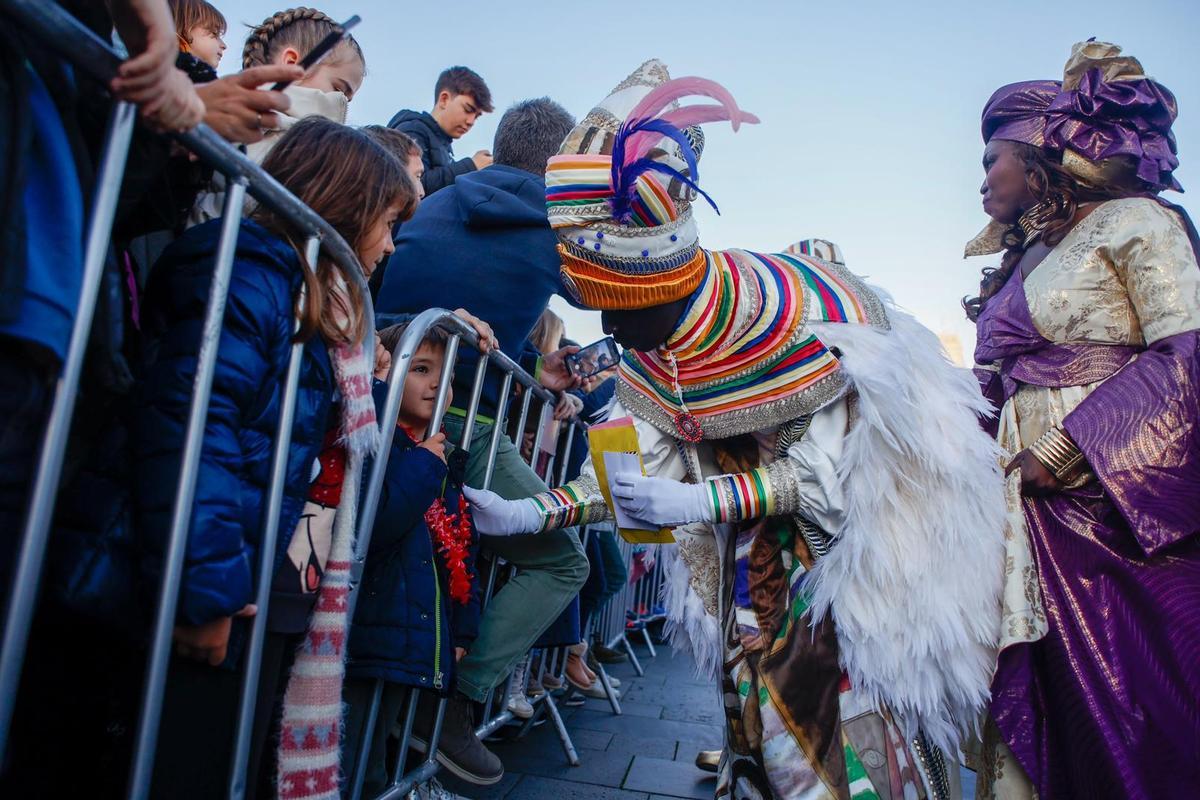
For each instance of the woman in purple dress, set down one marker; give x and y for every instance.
(1089, 344)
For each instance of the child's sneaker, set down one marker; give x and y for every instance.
(432, 789)
(518, 703)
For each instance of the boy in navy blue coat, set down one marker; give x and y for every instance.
(418, 604)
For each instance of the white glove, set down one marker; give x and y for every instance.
(661, 503)
(495, 516)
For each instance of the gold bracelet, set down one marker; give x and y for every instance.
(1058, 454)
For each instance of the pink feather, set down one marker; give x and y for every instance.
(663, 95)
(659, 98)
(696, 115)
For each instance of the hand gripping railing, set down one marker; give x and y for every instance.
(56, 30)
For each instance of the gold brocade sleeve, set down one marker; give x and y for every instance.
(1150, 247)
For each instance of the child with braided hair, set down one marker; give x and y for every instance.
(285, 38)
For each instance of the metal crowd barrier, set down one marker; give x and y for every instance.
(56, 29)
(495, 714)
(633, 608)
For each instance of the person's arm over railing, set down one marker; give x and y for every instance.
(165, 96)
(578, 502)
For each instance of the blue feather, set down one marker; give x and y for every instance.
(624, 178)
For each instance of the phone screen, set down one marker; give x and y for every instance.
(594, 358)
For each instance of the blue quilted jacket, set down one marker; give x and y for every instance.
(243, 416)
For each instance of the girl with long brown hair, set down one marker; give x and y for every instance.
(275, 299)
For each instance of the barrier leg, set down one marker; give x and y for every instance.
(613, 702)
(160, 651)
(561, 729)
(270, 535)
(364, 747)
(633, 659)
(410, 716)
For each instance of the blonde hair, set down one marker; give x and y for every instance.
(351, 192)
(301, 28)
(547, 332)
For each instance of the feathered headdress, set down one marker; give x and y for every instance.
(620, 190)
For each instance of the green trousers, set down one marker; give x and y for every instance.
(551, 569)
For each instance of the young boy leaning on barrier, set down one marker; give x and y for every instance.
(418, 603)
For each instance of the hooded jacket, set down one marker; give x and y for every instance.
(437, 149)
(483, 244)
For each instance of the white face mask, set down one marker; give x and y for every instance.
(308, 102)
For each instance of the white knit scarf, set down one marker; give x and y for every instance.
(310, 736)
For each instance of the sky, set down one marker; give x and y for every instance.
(870, 110)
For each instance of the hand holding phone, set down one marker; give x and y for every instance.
(594, 358)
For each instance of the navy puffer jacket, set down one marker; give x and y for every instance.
(243, 415)
(405, 624)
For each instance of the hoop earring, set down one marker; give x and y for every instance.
(1038, 217)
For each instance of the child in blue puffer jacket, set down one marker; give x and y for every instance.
(362, 194)
(418, 603)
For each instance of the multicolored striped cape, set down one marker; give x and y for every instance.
(746, 357)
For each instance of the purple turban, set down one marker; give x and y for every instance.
(1098, 118)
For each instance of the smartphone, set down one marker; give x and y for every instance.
(596, 357)
(322, 49)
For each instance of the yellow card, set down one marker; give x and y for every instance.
(619, 436)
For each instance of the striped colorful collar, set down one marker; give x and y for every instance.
(743, 354)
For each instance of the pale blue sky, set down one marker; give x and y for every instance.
(870, 110)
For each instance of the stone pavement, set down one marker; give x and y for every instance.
(644, 754)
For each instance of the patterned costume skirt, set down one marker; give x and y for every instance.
(795, 728)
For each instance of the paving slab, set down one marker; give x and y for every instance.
(497, 791)
(692, 713)
(627, 745)
(586, 739)
(632, 708)
(545, 758)
(686, 749)
(669, 778)
(641, 726)
(533, 787)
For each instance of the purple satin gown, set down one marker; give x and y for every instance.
(1106, 704)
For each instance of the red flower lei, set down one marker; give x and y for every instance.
(452, 535)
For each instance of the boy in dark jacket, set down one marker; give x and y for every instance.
(418, 604)
(459, 100)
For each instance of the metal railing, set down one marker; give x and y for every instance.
(633, 609)
(495, 715)
(56, 29)
(59, 31)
